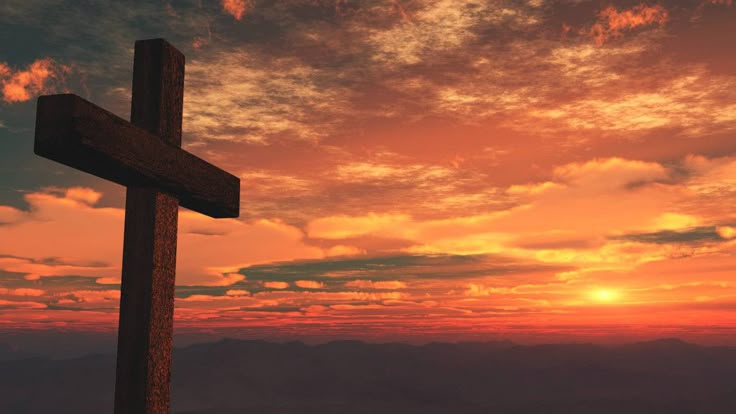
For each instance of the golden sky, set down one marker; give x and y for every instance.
(411, 169)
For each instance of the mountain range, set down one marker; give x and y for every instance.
(245, 376)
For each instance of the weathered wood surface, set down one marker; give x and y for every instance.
(143, 374)
(77, 133)
(146, 303)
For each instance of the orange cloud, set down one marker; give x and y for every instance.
(727, 232)
(309, 284)
(22, 292)
(9, 214)
(236, 8)
(9, 304)
(85, 195)
(573, 219)
(612, 21)
(22, 85)
(34, 269)
(610, 174)
(237, 292)
(276, 285)
(336, 227)
(226, 279)
(111, 296)
(566, 204)
(383, 284)
(86, 240)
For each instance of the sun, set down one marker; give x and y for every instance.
(605, 295)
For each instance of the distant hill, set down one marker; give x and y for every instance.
(8, 352)
(233, 376)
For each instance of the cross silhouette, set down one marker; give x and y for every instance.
(144, 155)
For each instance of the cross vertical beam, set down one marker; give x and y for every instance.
(144, 155)
(149, 246)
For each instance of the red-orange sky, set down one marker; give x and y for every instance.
(411, 169)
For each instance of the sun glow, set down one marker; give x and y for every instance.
(605, 295)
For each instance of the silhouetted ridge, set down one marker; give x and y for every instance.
(236, 376)
(8, 352)
(666, 344)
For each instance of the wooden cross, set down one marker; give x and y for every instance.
(145, 156)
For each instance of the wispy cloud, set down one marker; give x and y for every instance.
(612, 21)
(41, 76)
(236, 8)
(250, 97)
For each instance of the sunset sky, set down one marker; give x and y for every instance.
(417, 170)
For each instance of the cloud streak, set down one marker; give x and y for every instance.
(612, 22)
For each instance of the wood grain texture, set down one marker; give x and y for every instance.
(143, 375)
(146, 303)
(79, 134)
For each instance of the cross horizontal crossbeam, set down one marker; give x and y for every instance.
(77, 133)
